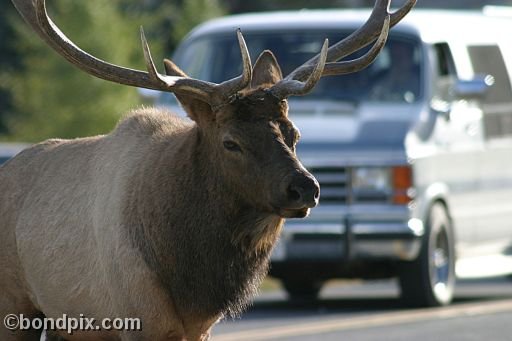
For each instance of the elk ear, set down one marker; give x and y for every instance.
(266, 70)
(197, 110)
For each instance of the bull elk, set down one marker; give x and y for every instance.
(168, 220)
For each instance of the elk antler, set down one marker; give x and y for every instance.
(377, 26)
(34, 13)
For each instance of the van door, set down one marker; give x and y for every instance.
(494, 220)
(456, 143)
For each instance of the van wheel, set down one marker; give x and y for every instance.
(302, 289)
(429, 281)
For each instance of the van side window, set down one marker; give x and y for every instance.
(445, 73)
(445, 64)
(497, 103)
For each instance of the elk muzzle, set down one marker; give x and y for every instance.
(301, 193)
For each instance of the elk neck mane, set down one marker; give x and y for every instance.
(209, 250)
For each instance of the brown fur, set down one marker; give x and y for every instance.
(157, 220)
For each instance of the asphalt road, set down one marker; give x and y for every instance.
(371, 311)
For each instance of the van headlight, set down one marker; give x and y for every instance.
(371, 179)
(382, 184)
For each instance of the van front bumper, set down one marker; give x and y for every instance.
(365, 232)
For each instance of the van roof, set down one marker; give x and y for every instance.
(9, 149)
(430, 25)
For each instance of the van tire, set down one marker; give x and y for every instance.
(302, 289)
(429, 281)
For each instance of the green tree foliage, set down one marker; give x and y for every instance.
(168, 21)
(241, 6)
(51, 98)
(194, 12)
(44, 96)
(8, 60)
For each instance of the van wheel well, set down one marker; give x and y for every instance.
(430, 279)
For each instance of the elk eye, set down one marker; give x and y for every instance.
(232, 146)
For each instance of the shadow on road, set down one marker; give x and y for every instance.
(364, 298)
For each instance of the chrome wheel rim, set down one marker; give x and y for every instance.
(441, 266)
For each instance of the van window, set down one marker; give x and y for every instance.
(446, 74)
(497, 103)
(445, 64)
(394, 77)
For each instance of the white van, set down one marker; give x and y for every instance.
(413, 154)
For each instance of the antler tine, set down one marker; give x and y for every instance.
(199, 89)
(358, 39)
(150, 65)
(350, 66)
(291, 87)
(230, 87)
(400, 13)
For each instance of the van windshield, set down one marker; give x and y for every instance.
(394, 77)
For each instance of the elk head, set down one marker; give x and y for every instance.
(243, 121)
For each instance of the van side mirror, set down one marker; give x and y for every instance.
(474, 88)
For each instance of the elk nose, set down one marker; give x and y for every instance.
(303, 191)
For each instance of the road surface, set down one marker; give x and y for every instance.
(371, 311)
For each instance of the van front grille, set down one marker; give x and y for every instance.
(334, 184)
